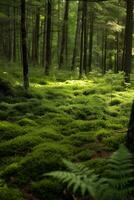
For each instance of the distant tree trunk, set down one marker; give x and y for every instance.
(44, 38)
(48, 38)
(130, 133)
(102, 51)
(35, 45)
(14, 37)
(58, 34)
(9, 50)
(105, 54)
(91, 42)
(63, 50)
(117, 53)
(76, 36)
(82, 44)
(85, 37)
(24, 44)
(128, 40)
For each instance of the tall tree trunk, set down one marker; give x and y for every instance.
(24, 44)
(9, 50)
(14, 36)
(63, 50)
(82, 44)
(76, 36)
(35, 45)
(48, 38)
(128, 40)
(85, 37)
(91, 42)
(44, 38)
(105, 53)
(58, 34)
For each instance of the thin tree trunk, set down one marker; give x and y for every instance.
(63, 50)
(24, 44)
(91, 42)
(35, 45)
(82, 44)
(48, 38)
(85, 38)
(14, 37)
(76, 36)
(105, 53)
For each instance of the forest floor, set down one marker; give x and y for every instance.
(79, 120)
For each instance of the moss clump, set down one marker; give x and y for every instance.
(27, 122)
(19, 145)
(10, 130)
(81, 138)
(7, 193)
(115, 140)
(89, 91)
(44, 158)
(48, 189)
(84, 155)
(115, 102)
(6, 88)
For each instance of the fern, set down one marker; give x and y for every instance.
(115, 185)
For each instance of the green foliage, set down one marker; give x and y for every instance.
(10, 130)
(116, 183)
(19, 145)
(7, 193)
(6, 88)
(48, 189)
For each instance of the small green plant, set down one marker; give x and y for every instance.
(116, 182)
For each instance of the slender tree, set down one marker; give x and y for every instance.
(77, 35)
(24, 44)
(48, 38)
(64, 37)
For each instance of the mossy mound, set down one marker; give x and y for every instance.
(7, 193)
(6, 88)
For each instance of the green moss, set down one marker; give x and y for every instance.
(44, 157)
(48, 189)
(7, 193)
(82, 138)
(115, 140)
(27, 122)
(10, 130)
(19, 145)
(115, 102)
(84, 155)
(6, 88)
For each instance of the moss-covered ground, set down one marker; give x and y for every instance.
(80, 120)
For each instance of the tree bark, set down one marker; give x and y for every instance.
(76, 36)
(48, 38)
(63, 50)
(24, 44)
(130, 133)
(91, 42)
(128, 40)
